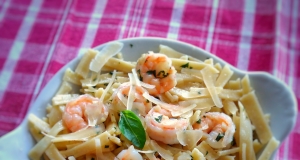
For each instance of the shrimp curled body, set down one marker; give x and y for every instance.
(162, 128)
(156, 69)
(83, 111)
(140, 104)
(218, 127)
(129, 154)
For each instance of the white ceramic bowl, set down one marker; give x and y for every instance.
(274, 96)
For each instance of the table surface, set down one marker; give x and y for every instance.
(38, 37)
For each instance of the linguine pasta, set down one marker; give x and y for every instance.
(166, 105)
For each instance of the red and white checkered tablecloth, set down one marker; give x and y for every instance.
(38, 37)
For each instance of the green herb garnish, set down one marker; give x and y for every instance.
(158, 119)
(233, 142)
(139, 72)
(220, 136)
(185, 65)
(163, 74)
(152, 72)
(199, 121)
(131, 127)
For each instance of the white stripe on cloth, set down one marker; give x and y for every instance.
(293, 43)
(51, 51)
(174, 24)
(136, 18)
(277, 34)
(92, 26)
(5, 5)
(292, 65)
(18, 45)
(124, 24)
(136, 29)
(282, 34)
(145, 19)
(246, 34)
(211, 26)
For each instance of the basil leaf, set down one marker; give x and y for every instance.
(132, 128)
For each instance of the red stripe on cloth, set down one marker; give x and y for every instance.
(57, 5)
(11, 28)
(194, 24)
(22, 83)
(6, 126)
(27, 67)
(2, 61)
(109, 28)
(226, 52)
(294, 145)
(142, 13)
(20, 2)
(261, 59)
(47, 22)
(158, 23)
(54, 67)
(5, 45)
(227, 29)
(84, 7)
(262, 53)
(297, 77)
(72, 35)
(133, 15)
(16, 12)
(229, 20)
(42, 33)
(35, 52)
(264, 23)
(73, 32)
(13, 103)
(63, 54)
(281, 150)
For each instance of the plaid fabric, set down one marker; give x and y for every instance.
(38, 37)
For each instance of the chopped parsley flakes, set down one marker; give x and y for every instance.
(158, 119)
(220, 136)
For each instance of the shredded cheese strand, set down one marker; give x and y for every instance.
(113, 77)
(110, 50)
(131, 92)
(135, 77)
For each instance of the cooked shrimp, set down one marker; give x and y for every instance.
(83, 111)
(218, 127)
(156, 69)
(140, 104)
(129, 154)
(162, 128)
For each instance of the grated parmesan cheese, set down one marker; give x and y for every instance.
(104, 55)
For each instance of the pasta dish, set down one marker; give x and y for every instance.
(165, 105)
